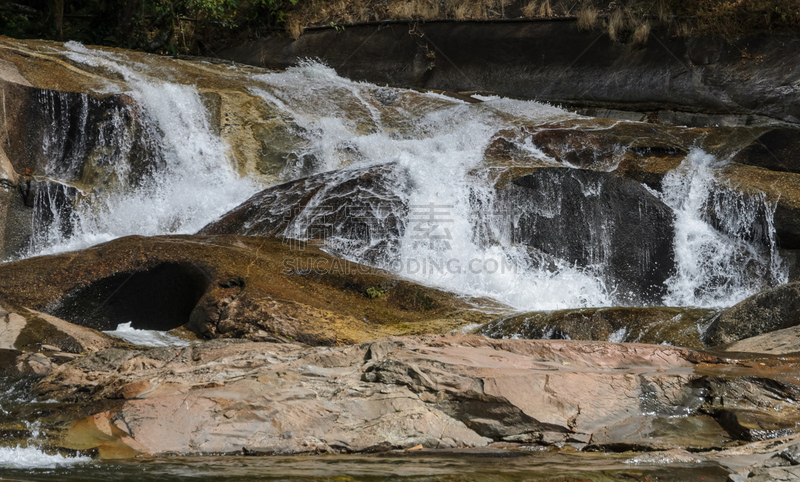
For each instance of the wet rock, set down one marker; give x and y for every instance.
(674, 326)
(165, 282)
(752, 426)
(594, 220)
(659, 76)
(604, 149)
(764, 312)
(760, 461)
(665, 457)
(780, 188)
(359, 211)
(652, 432)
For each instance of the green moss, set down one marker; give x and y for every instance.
(374, 292)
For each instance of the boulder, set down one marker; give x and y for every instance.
(358, 212)
(778, 342)
(231, 286)
(30, 330)
(761, 313)
(673, 326)
(595, 220)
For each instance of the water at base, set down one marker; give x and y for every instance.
(533, 465)
(35, 458)
(146, 337)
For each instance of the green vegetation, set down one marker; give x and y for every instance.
(374, 292)
(163, 26)
(202, 26)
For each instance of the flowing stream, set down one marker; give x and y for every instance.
(724, 243)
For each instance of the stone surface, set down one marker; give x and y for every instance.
(439, 392)
(759, 460)
(674, 326)
(29, 330)
(230, 286)
(764, 312)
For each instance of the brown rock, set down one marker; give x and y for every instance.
(230, 286)
(778, 342)
(761, 313)
(453, 391)
(32, 330)
(752, 425)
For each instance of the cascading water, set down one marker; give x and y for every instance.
(725, 246)
(450, 234)
(187, 177)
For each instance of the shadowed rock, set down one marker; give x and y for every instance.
(777, 150)
(594, 219)
(360, 212)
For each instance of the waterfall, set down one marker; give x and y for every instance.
(173, 178)
(453, 233)
(725, 245)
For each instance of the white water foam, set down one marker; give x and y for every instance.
(195, 182)
(718, 267)
(446, 143)
(440, 143)
(34, 458)
(146, 337)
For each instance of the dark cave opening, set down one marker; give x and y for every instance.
(159, 298)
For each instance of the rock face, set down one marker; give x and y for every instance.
(708, 80)
(673, 326)
(229, 286)
(455, 391)
(360, 210)
(595, 219)
(761, 313)
(26, 329)
(777, 150)
(780, 188)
